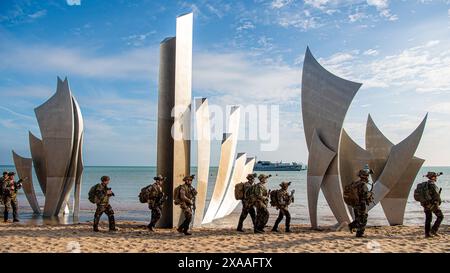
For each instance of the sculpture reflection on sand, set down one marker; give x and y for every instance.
(174, 132)
(335, 159)
(57, 157)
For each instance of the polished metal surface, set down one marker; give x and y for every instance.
(227, 155)
(39, 161)
(325, 102)
(166, 102)
(25, 171)
(202, 122)
(397, 163)
(56, 119)
(182, 107)
(394, 202)
(236, 177)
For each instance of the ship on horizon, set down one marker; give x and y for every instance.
(278, 166)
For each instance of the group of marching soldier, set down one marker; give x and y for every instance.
(255, 198)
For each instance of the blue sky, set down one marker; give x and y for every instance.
(244, 52)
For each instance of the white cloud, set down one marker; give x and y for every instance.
(38, 14)
(136, 63)
(235, 77)
(371, 52)
(317, 3)
(73, 2)
(379, 4)
(383, 7)
(441, 108)
(278, 4)
(303, 22)
(246, 25)
(423, 68)
(356, 17)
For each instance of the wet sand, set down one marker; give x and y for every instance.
(134, 237)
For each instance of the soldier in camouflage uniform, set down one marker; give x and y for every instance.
(102, 195)
(284, 200)
(260, 197)
(365, 198)
(2, 179)
(156, 200)
(247, 206)
(432, 206)
(10, 189)
(187, 205)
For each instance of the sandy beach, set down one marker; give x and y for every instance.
(133, 237)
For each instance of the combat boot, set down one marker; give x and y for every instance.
(96, 222)
(186, 232)
(288, 225)
(434, 233)
(16, 220)
(150, 227)
(112, 223)
(360, 234)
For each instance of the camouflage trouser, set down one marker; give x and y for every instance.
(10, 202)
(156, 215)
(360, 221)
(187, 211)
(283, 212)
(429, 209)
(247, 208)
(107, 209)
(262, 215)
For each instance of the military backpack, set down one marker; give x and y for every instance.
(351, 194)
(92, 196)
(176, 195)
(239, 192)
(274, 202)
(422, 193)
(144, 195)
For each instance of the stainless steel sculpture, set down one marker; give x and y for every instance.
(56, 122)
(203, 157)
(352, 158)
(24, 171)
(227, 154)
(397, 163)
(182, 108)
(39, 161)
(236, 177)
(174, 114)
(249, 165)
(58, 155)
(325, 101)
(395, 169)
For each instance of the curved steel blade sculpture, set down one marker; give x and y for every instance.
(203, 157)
(397, 163)
(55, 118)
(236, 177)
(58, 155)
(352, 158)
(249, 165)
(24, 170)
(394, 202)
(325, 101)
(227, 154)
(39, 161)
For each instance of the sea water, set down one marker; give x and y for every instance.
(126, 183)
